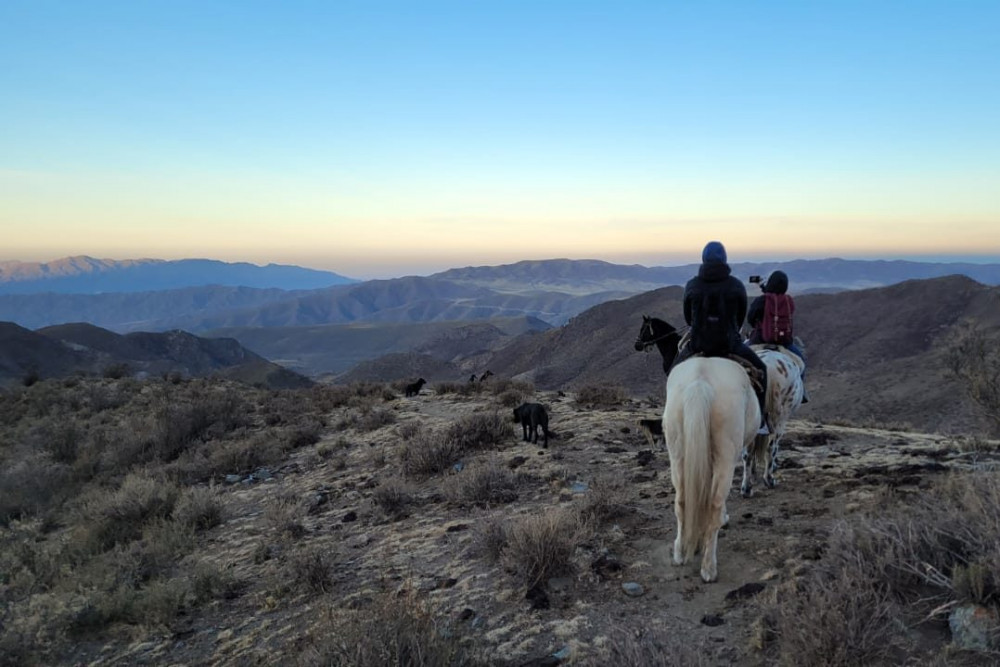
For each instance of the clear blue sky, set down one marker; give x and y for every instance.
(379, 138)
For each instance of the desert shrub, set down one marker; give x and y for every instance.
(367, 418)
(601, 395)
(481, 430)
(311, 570)
(974, 360)
(394, 498)
(409, 429)
(285, 514)
(641, 647)
(199, 508)
(441, 388)
(428, 454)
(903, 563)
(117, 371)
(161, 602)
(395, 629)
(30, 486)
(306, 432)
(498, 386)
(537, 547)
(209, 581)
(119, 516)
(607, 498)
(375, 418)
(484, 484)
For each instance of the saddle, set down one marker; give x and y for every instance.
(755, 375)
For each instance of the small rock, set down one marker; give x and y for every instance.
(538, 598)
(641, 479)
(770, 575)
(606, 565)
(467, 614)
(745, 591)
(614, 449)
(632, 589)
(263, 474)
(645, 457)
(458, 467)
(973, 628)
(712, 620)
(517, 462)
(562, 653)
(625, 429)
(233, 479)
(350, 516)
(579, 487)
(456, 527)
(448, 582)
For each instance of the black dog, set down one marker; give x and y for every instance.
(531, 416)
(414, 389)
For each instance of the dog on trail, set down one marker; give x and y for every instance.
(653, 430)
(414, 389)
(531, 416)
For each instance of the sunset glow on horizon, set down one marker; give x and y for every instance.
(386, 138)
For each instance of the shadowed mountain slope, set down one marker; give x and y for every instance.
(876, 353)
(71, 348)
(334, 348)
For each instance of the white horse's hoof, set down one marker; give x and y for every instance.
(746, 491)
(708, 576)
(770, 482)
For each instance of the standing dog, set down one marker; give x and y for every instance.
(414, 389)
(531, 416)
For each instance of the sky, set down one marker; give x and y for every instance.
(379, 139)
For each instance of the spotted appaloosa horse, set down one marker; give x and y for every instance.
(711, 415)
(784, 395)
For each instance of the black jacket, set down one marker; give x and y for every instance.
(714, 278)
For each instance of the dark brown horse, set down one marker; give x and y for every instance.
(665, 337)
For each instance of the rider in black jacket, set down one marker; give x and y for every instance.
(715, 304)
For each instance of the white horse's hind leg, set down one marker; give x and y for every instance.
(678, 512)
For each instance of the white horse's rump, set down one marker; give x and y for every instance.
(711, 415)
(784, 395)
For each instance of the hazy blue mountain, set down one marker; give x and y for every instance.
(806, 275)
(87, 275)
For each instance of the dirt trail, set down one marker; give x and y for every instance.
(827, 473)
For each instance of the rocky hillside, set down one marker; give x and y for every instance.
(207, 523)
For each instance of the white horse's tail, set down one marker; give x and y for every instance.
(698, 399)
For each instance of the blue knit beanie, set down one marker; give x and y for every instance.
(714, 252)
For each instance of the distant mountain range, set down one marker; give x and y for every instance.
(63, 350)
(87, 275)
(550, 290)
(876, 356)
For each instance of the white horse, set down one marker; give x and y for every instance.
(784, 395)
(711, 415)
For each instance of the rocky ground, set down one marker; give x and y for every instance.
(621, 583)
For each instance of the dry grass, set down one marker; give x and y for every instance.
(885, 572)
(395, 629)
(601, 395)
(484, 484)
(537, 547)
(394, 498)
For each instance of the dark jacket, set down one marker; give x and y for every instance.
(715, 278)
